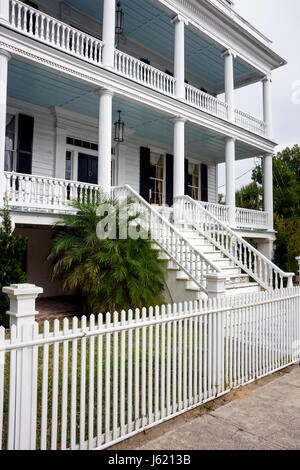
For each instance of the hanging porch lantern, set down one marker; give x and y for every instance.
(119, 130)
(119, 19)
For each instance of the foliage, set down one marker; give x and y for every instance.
(287, 243)
(12, 261)
(249, 197)
(108, 274)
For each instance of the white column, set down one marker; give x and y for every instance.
(230, 177)
(4, 11)
(105, 135)
(179, 56)
(268, 188)
(22, 314)
(229, 84)
(108, 32)
(60, 153)
(216, 285)
(267, 104)
(179, 128)
(4, 58)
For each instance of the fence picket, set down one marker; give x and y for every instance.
(136, 370)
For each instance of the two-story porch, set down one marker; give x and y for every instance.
(68, 67)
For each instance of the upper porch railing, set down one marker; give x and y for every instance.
(63, 37)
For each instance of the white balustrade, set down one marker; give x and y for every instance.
(53, 32)
(220, 211)
(136, 70)
(250, 123)
(205, 102)
(247, 218)
(40, 193)
(244, 255)
(194, 263)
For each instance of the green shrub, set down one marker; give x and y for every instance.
(12, 261)
(108, 274)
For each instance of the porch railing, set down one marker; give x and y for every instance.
(205, 102)
(248, 218)
(53, 32)
(44, 193)
(136, 70)
(250, 123)
(61, 36)
(244, 255)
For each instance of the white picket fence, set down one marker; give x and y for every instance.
(91, 383)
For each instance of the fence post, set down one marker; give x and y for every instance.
(215, 285)
(22, 416)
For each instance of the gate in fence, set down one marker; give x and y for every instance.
(89, 383)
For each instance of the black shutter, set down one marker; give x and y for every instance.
(145, 173)
(169, 180)
(186, 177)
(25, 144)
(204, 183)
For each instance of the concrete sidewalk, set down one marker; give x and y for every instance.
(261, 417)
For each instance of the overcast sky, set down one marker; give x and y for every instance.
(279, 20)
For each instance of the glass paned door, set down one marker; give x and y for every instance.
(10, 142)
(193, 180)
(156, 192)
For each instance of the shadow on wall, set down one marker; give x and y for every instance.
(38, 268)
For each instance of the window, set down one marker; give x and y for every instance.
(82, 143)
(10, 142)
(193, 180)
(156, 178)
(68, 175)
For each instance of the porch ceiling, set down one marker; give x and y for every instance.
(39, 87)
(147, 24)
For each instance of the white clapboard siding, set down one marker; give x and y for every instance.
(100, 380)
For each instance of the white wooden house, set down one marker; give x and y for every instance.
(68, 66)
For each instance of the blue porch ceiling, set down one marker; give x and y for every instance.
(147, 24)
(40, 87)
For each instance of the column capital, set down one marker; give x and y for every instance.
(105, 92)
(267, 78)
(178, 119)
(5, 53)
(228, 52)
(229, 139)
(179, 19)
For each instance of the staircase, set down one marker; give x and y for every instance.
(200, 244)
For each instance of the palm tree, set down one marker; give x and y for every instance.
(109, 274)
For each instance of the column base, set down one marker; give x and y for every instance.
(266, 248)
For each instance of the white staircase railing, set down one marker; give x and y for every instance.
(190, 260)
(244, 255)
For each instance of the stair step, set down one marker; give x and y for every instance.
(243, 288)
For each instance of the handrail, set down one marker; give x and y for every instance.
(244, 255)
(205, 102)
(49, 30)
(134, 69)
(190, 260)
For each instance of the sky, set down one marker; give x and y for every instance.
(279, 20)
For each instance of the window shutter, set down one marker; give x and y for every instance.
(186, 177)
(145, 173)
(204, 183)
(169, 180)
(25, 144)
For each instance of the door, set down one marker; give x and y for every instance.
(87, 169)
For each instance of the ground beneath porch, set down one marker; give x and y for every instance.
(260, 416)
(51, 308)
